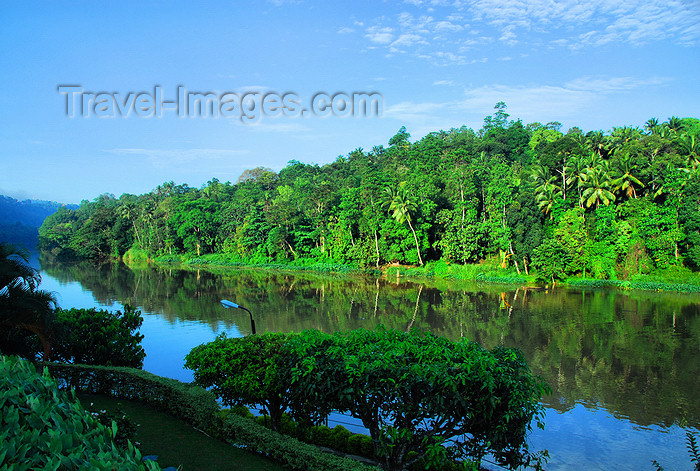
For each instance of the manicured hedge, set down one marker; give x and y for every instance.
(190, 403)
(199, 408)
(288, 451)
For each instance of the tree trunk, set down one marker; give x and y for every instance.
(415, 237)
(515, 262)
(376, 246)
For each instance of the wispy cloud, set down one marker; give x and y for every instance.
(177, 157)
(456, 25)
(379, 34)
(529, 102)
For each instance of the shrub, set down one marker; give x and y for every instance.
(443, 400)
(244, 371)
(45, 428)
(92, 337)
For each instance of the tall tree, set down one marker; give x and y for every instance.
(397, 202)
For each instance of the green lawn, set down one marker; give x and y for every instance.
(178, 444)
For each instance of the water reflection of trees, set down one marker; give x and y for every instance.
(633, 353)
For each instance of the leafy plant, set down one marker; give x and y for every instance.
(100, 337)
(421, 393)
(245, 371)
(43, 427)
(693, 449)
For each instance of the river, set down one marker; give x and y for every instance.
(623, 366)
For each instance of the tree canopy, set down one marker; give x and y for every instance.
(460, 195)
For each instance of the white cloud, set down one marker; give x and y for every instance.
(540, 102)
(380, 35)
(573, 24)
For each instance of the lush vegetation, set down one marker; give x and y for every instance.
(26, 312)
(199, 408)
(604, 205)
(43, 427)
(99, 337)
(33, 326)
(422, 397)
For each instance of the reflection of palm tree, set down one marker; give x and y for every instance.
(623, 179)
(597, 187)
(21, 304)
(397, 202)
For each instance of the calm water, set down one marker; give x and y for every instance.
(623, 366)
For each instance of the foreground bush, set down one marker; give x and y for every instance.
(44, 428)
(423, 398)
(422, 394)
(244, 371)
(99, 337)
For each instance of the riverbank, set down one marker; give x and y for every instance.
(673, 279)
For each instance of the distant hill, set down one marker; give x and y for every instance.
(20, 220)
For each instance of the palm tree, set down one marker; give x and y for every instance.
(598, 143)
(675, 124)
(546, 197)
(397, 202)
(540, 175)
(691, 148)
(623, 179)
(22, 305)
(546, 190)
(576, 172)
(597, 187)
(621, 136)
(652, 125)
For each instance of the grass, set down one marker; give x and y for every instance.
(177, 443)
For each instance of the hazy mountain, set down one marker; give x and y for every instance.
(20, 220)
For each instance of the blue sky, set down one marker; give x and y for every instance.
(437, 65)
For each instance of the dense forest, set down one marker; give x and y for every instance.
(607, 205)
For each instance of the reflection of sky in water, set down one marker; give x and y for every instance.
(166, 343)
(592, 439)
(581, 438)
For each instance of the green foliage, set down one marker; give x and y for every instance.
(100, 337)
(421, 393)
(184, 401)
(693, 450)
(45, 428)
(412, 392)
(26, 312)
(245, 371)
(551, 260)
(198, 407)
(126, 428)
(460, 195)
